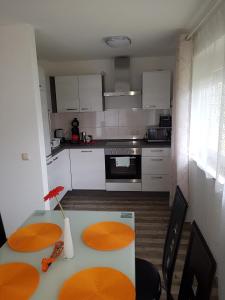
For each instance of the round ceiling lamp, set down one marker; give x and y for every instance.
(117, 41)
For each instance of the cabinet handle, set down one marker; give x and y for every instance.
(156, 177)
(72, 109)
(49, 163)
(55, 158)
(158, 150)
(84, 108)
(149, 106)
(86, 150)
(156, 159)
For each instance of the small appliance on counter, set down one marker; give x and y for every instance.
(161, 133)
(75, 139)
(86, 139)
(55, 143)
(165, 121)
(89, 139)
(59, 133)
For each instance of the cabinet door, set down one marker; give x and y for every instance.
(42, 80)
(155, 165)
(90, 93)
(156, 90)
(155, 183)
(45, 112)
(62, 163)
(156, 152)
(58, 168)
(88, 169)
(46, 123)
(67, 93)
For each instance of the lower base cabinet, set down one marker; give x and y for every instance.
(156, 169)
(58, 168)
(87, 169)
(155, 183)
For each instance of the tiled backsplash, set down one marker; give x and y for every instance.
(111, 124)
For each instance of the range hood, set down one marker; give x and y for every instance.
(122, 86)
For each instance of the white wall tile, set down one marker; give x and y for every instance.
(111, 118)
(91, 119)
(112, 124)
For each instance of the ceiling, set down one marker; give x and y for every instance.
(73, 29)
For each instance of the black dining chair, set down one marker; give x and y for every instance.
(148, 283)
(2, 233)
(199, 269)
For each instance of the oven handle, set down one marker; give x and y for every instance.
(114, 157)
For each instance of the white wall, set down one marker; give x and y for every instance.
(23, 183)
(205, 209)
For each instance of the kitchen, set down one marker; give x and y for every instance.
(117, 124)
(106, 118)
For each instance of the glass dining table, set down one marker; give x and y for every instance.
(51, 282)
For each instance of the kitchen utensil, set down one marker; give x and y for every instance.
(84, 136)
(89, 139)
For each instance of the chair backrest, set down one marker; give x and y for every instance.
(199, 268)
(2, 233)
(173, 237)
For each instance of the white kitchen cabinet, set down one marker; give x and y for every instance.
(45, 111)
(155, 183)
(156, 152)
(156, 169)
(67, 93)
(156, 90)
(90, 93)
(42, 79)
(88, 169)
(79, 93)
(155, 165)
(58, 168)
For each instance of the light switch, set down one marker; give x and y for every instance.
(25, 156)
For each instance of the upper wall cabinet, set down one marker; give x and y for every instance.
(79, 93)
(90, 93)
(67, 93)
(156, 90)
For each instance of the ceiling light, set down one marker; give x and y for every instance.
(117, 41)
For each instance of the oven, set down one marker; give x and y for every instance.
(123, 165)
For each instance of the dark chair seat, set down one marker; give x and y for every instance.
(147, 276)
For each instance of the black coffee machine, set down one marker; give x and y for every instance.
(75, 139)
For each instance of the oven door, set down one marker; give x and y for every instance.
(123, 167)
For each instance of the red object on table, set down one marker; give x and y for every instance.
(46, 262)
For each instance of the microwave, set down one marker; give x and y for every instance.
(158, 134)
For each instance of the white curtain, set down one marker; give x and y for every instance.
(207, 130)
(181, 116)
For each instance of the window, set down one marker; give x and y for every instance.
(207, 127)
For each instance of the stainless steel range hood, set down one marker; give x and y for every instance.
(122, 86)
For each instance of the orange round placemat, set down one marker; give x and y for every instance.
(34, 237)
(18, 281)
(98, 283)
(108, 236)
